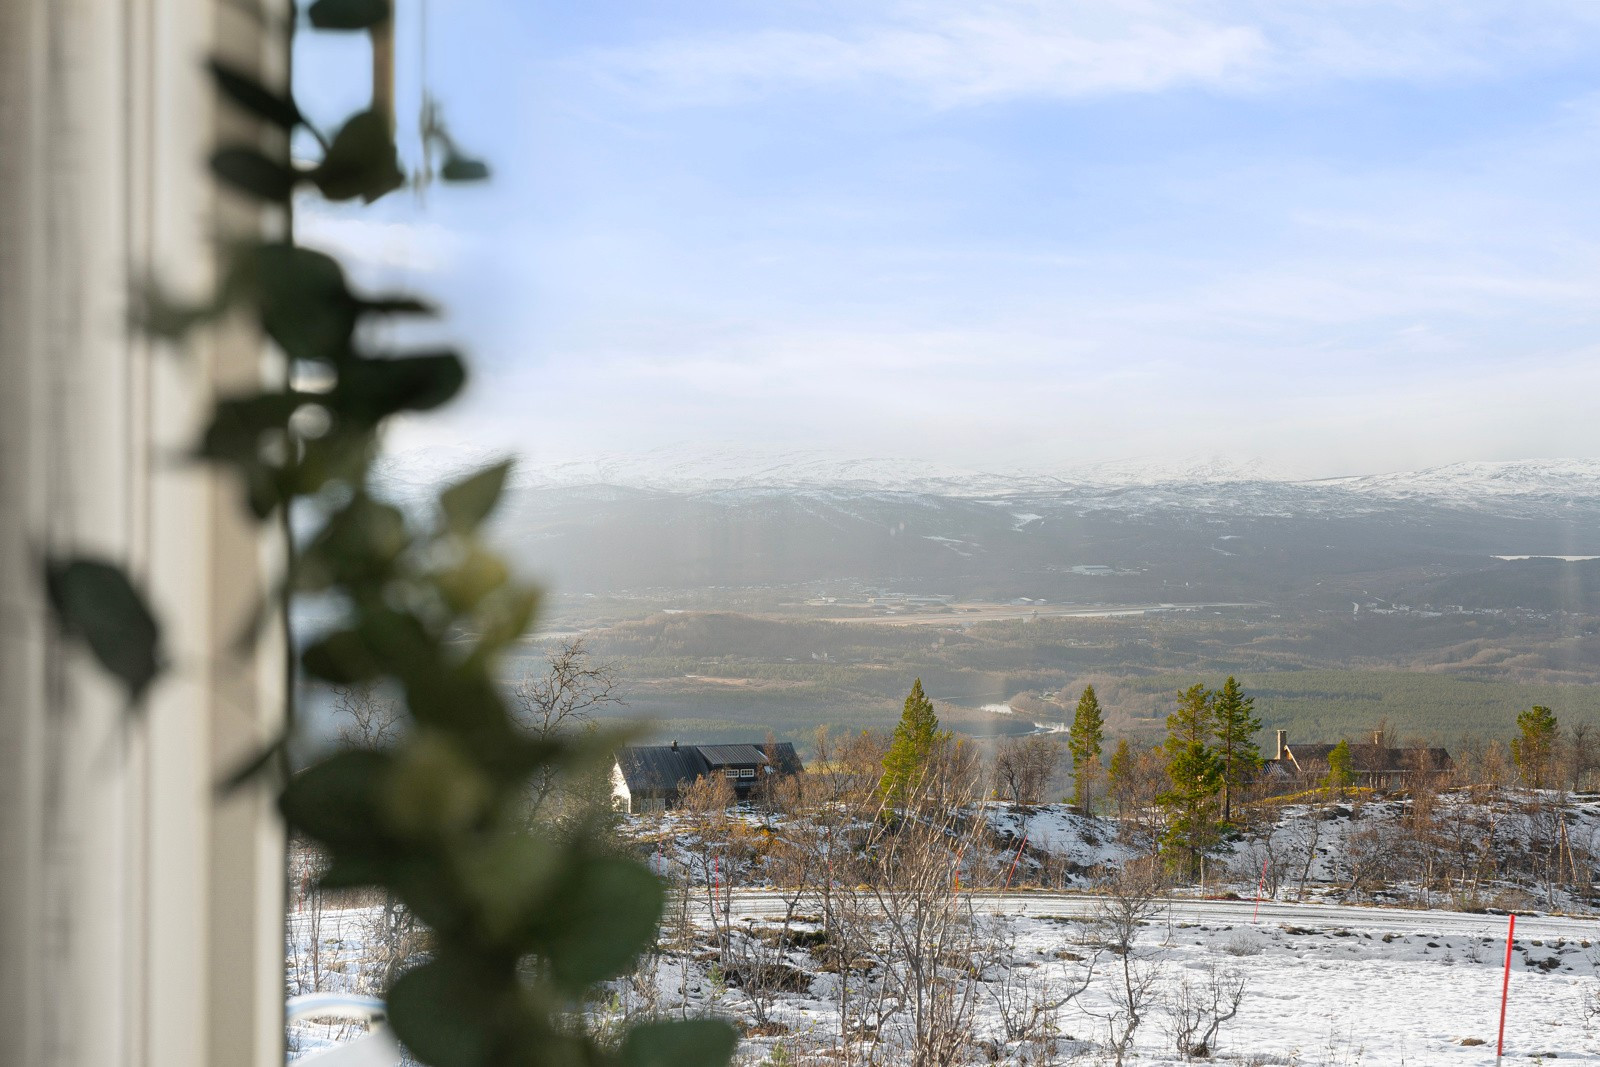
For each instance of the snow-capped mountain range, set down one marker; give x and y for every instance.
(1139, 484)
(1552, 478)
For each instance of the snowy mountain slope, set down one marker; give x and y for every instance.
(1189, 531)
(1514, 488)
(1483, 484)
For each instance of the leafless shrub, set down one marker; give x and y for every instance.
(925, 942)
(1024, 766)
(1029, 1004)
(1128, 902)
(1199, 1005)
(1133, 790)
(562, 699)
(308, 966)
(1243, 943)
(395, 941)
(759, 968)
(1589, 1006)
(366, 718)
(709, 850)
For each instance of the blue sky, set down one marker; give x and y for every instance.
(1338, 236)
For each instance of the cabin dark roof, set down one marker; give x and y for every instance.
(1373, 758)
(664, 769)
(724, 755)
(1306, 753)
(786, 758)
(659, 768)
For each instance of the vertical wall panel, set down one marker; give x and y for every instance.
(139, 918)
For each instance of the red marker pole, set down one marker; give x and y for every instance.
(1261, 885)
(1505, 992)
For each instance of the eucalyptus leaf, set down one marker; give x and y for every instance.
(237, 424)
(505, 615)
(248, 92)
(508, 878)
(349, 871)
(252, 173)
(359, 544)
(462, 698)
(397, 305)
(523, 926)
(434, 789)
(361, 161)
(340, 658)
(335, 801)
(600, 921)
(348, 14)
(95, 602)
(305, 304)
(467, 503)
(341, 454)
(445, 1011)
(478, 575)
(371, 389)
(458, 168)
(263, 490)
(679, 1043)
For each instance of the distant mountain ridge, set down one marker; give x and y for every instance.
(1131, 532)
(1543, 486)
(1575, 478)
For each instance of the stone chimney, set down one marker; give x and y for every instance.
(1283, 743)
(674, 744)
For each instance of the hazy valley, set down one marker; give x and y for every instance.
(812, 593)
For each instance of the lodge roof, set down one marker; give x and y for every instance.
(725, 755)
(664, 769)
(1372, 758)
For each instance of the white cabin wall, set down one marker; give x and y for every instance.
(140, 920)
(621, 798)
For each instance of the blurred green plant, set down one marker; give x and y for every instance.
(524, 923)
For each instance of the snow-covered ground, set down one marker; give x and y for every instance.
(1085, 846)
(1339, 986)
(1324, 985)
(1326, 982)
(329, 951)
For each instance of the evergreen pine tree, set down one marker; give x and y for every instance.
(1119, 776)
(1083, 741)
(1340, 776)
(1195, 773)
(916, 736)
(1534, 748)
(1235, 725)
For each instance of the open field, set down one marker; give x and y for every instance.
(724, 676)
(969, 613)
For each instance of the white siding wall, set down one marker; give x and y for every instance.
(140, 921)
(621, 799)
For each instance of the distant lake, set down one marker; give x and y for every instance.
(1568, 559)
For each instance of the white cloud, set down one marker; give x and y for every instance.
(955, 53)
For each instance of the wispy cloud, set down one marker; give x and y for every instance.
(1354, 235)
(951, 54)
